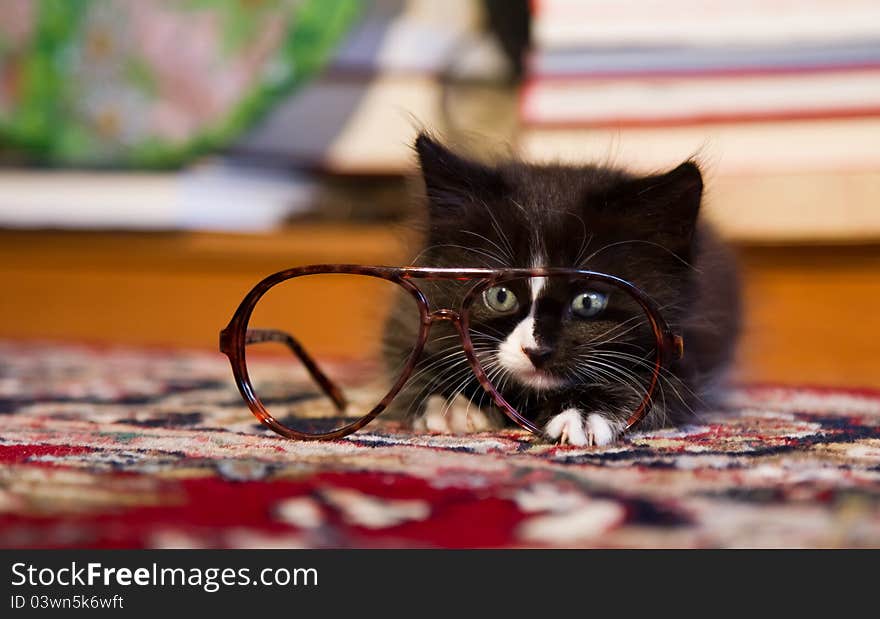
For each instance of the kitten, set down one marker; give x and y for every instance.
(643, 229)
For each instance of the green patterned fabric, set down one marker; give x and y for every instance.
(137, 83)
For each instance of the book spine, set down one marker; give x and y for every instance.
(711, 98)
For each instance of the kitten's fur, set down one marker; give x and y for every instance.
(642, 229)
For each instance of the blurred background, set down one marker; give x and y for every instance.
(158, 158)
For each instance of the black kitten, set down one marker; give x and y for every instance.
(573, 360)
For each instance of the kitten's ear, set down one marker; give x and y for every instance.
(451, 180)
(664, 206)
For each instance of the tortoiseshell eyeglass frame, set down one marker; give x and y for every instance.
(236, 336)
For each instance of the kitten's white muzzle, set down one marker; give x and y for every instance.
(514, 360)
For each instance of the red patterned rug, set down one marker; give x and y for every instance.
(133, 449)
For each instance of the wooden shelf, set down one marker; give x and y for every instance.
(162, 289)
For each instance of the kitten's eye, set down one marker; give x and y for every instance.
(589, 304)
(500, 299)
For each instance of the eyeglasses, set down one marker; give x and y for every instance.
(377, 335)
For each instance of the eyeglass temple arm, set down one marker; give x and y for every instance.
(256, 336)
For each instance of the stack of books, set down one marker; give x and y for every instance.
(779, 100)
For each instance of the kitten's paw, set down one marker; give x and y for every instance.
(570, 428)
(460, 416)
(599, 430)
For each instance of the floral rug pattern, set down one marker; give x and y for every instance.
(124, 448)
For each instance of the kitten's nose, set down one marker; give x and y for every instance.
(538, 355)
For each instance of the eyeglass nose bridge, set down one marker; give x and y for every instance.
(444, 314)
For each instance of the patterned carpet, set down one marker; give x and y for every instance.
(120, 448)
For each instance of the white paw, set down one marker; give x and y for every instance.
(600, 429)
(570, 427)
(460, 416)
(567, 427)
